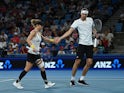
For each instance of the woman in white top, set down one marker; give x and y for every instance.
(85, 27)
(33, 55)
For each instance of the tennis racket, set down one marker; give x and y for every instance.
(98, 27)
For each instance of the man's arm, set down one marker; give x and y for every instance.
(66, 34)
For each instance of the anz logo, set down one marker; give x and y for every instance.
(108, 64)
(53, 64)
(116, 64)
(5, 65)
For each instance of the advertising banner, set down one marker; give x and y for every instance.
(65, 62)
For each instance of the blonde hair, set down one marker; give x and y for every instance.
(34, 22)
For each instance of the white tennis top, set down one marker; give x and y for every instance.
(36, 40)
(85, 29)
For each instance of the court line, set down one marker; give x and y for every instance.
(65, 79)
(111, 79)
(6, 80)
(86, 79)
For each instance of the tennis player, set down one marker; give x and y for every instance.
(85, 27)
(33, 55)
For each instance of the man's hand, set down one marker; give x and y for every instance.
(57, 40)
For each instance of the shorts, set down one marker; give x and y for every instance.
(84, 49)
(32, 58)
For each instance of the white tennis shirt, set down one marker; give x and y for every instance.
(85, 29)
(36, 40)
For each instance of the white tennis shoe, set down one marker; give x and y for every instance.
(49, 84)
(18, 85)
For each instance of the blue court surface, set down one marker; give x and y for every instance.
(101, 81)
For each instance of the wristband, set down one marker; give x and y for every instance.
(32, 46)
(51, 40)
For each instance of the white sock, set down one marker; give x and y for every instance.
(72, 78)
(82, 77)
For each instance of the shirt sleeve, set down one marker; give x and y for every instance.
(74, 25)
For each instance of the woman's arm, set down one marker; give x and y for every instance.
(47, 39)
(31, 35)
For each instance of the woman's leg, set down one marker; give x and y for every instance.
(28, 66)
(17, 83)
(40, 64)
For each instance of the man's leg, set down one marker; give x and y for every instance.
(89, 62)
(75, 66)
(74, 70)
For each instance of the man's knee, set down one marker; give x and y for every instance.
(89, 62)
(77, 61)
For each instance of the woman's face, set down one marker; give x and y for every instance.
(39, 27)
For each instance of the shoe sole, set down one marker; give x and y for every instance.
(51, 86)
(16, 86)
(71, 85)
(82, 84)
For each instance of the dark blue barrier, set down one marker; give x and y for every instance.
(105, 61)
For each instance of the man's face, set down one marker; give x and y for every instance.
(83, 16)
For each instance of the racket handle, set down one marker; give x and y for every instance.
(95, 42)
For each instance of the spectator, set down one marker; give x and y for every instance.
(71, 46)
(68, 39)
(15, 38)
(61, 50)
(75, 36)
(10, 49)
(43, 48)
(3, 46)
(122, 20)
(22, 39)
(73, 50)
(48, 55)
(16, 50)
(3, 43)
(100, 47)
(23, 49)
(54, 50)
(105, 43)
(15, 47)
(3, 35)
(109, 36)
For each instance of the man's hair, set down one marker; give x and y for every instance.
(84, 11)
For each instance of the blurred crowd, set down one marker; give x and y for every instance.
(119, 26)
(57, 16)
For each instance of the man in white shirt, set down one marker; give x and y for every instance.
(85, 27)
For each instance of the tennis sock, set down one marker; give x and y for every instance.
(23, 73)
(43, 74)
(72, 78)
(82, 77)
